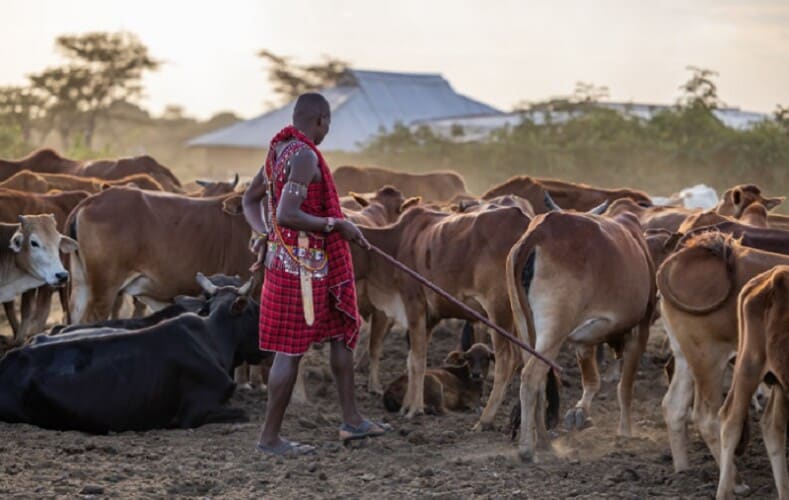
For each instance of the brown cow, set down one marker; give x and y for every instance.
(464, 254)
(735, 200)
(699, 285)
(208, 189)
(762, 354)
(124, 167)
(12, 205)
(568, 195)
(32, 182)
(587, 279)
(30, 257)
(507, 200)
(651, 218)
(39, 161)
(150, 245)
(431, 186)
(456, 385)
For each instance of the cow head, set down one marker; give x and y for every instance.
(37, 245)
(233, 205)
(553, 207)
(478, 357)
(737, 199)
(216, 188)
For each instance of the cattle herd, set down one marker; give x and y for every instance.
(554, 262)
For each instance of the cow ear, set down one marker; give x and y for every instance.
(16, 242)
(238, 306)
(410, 202)
(68, 245)
(771, 203)
(736, 196)
(361, 200)
(232, 206)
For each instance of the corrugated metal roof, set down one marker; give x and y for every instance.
(378, 101)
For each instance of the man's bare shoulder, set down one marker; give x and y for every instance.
(304, 166)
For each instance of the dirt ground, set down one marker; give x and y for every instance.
(427, 457)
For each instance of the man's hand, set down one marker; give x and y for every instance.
(351, 232)
(258, 247)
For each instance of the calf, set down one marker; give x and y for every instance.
(174, 374)
(456, 385)
(699, 285)
(585, 279)
(762, 354)
(30, 257)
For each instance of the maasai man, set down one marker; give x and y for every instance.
(308, 293)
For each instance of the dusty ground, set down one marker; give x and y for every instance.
(427, 457)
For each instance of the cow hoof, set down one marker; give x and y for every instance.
(415, 412)
(481, 426)
(526, 455)
(246, 387)
(742, 489)
(375, 389)
(577, 419)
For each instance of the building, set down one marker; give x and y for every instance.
(371, 102)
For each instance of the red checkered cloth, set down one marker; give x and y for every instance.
(282, 325)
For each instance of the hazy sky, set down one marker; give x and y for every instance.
(500, 52)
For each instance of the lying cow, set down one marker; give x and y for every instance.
(30, 257)
(456, 385)
(585, 279)
(174, 374)
(762, 354)
(698, 285)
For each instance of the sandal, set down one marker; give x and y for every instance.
(367, 428)
(287, 449)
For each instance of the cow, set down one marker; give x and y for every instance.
(179, 370)
(124, 167)
(32, 182)
(736, 199)
(12, 205)
(379, 209)
(699, 196)
(651, 218)
(762, 354)
(146, 244)
(39, 161)
(430, 186)
(507, 200)
(699, 284)
(568, 195)
(456, 385)
(30, 257)
(586, 279)
(208, 189)
(771, 240)
(464, 254)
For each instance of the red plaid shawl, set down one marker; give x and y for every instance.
(339, 284)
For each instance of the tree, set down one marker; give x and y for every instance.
(102, 69)
(21, 107)
(700, 90)
(291, 80)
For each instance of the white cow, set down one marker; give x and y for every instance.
(699, 196)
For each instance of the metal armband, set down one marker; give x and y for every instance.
(296, 189)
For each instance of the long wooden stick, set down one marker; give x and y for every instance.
(501, 331)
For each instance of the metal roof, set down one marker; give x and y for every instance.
(377, 101)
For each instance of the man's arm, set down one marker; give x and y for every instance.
(251, 203)
(303, 171)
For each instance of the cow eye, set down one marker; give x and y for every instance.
(34, 244)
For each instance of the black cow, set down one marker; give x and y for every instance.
(174, 374)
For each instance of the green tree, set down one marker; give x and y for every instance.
(289, 80)
(700, 90)
(102, 69)
(21, 107)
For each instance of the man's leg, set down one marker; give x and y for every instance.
(341, 360)
(281, 379)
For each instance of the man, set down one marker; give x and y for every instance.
(308, 292)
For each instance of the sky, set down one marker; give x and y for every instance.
(501, 52)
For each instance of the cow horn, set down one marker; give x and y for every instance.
(552, 206)
(235, 181)
(203, 183)
(206, 284)
(245, 288)
(599, 209)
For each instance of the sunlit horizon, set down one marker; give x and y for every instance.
(515, 52)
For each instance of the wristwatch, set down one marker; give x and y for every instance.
(330, 222)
